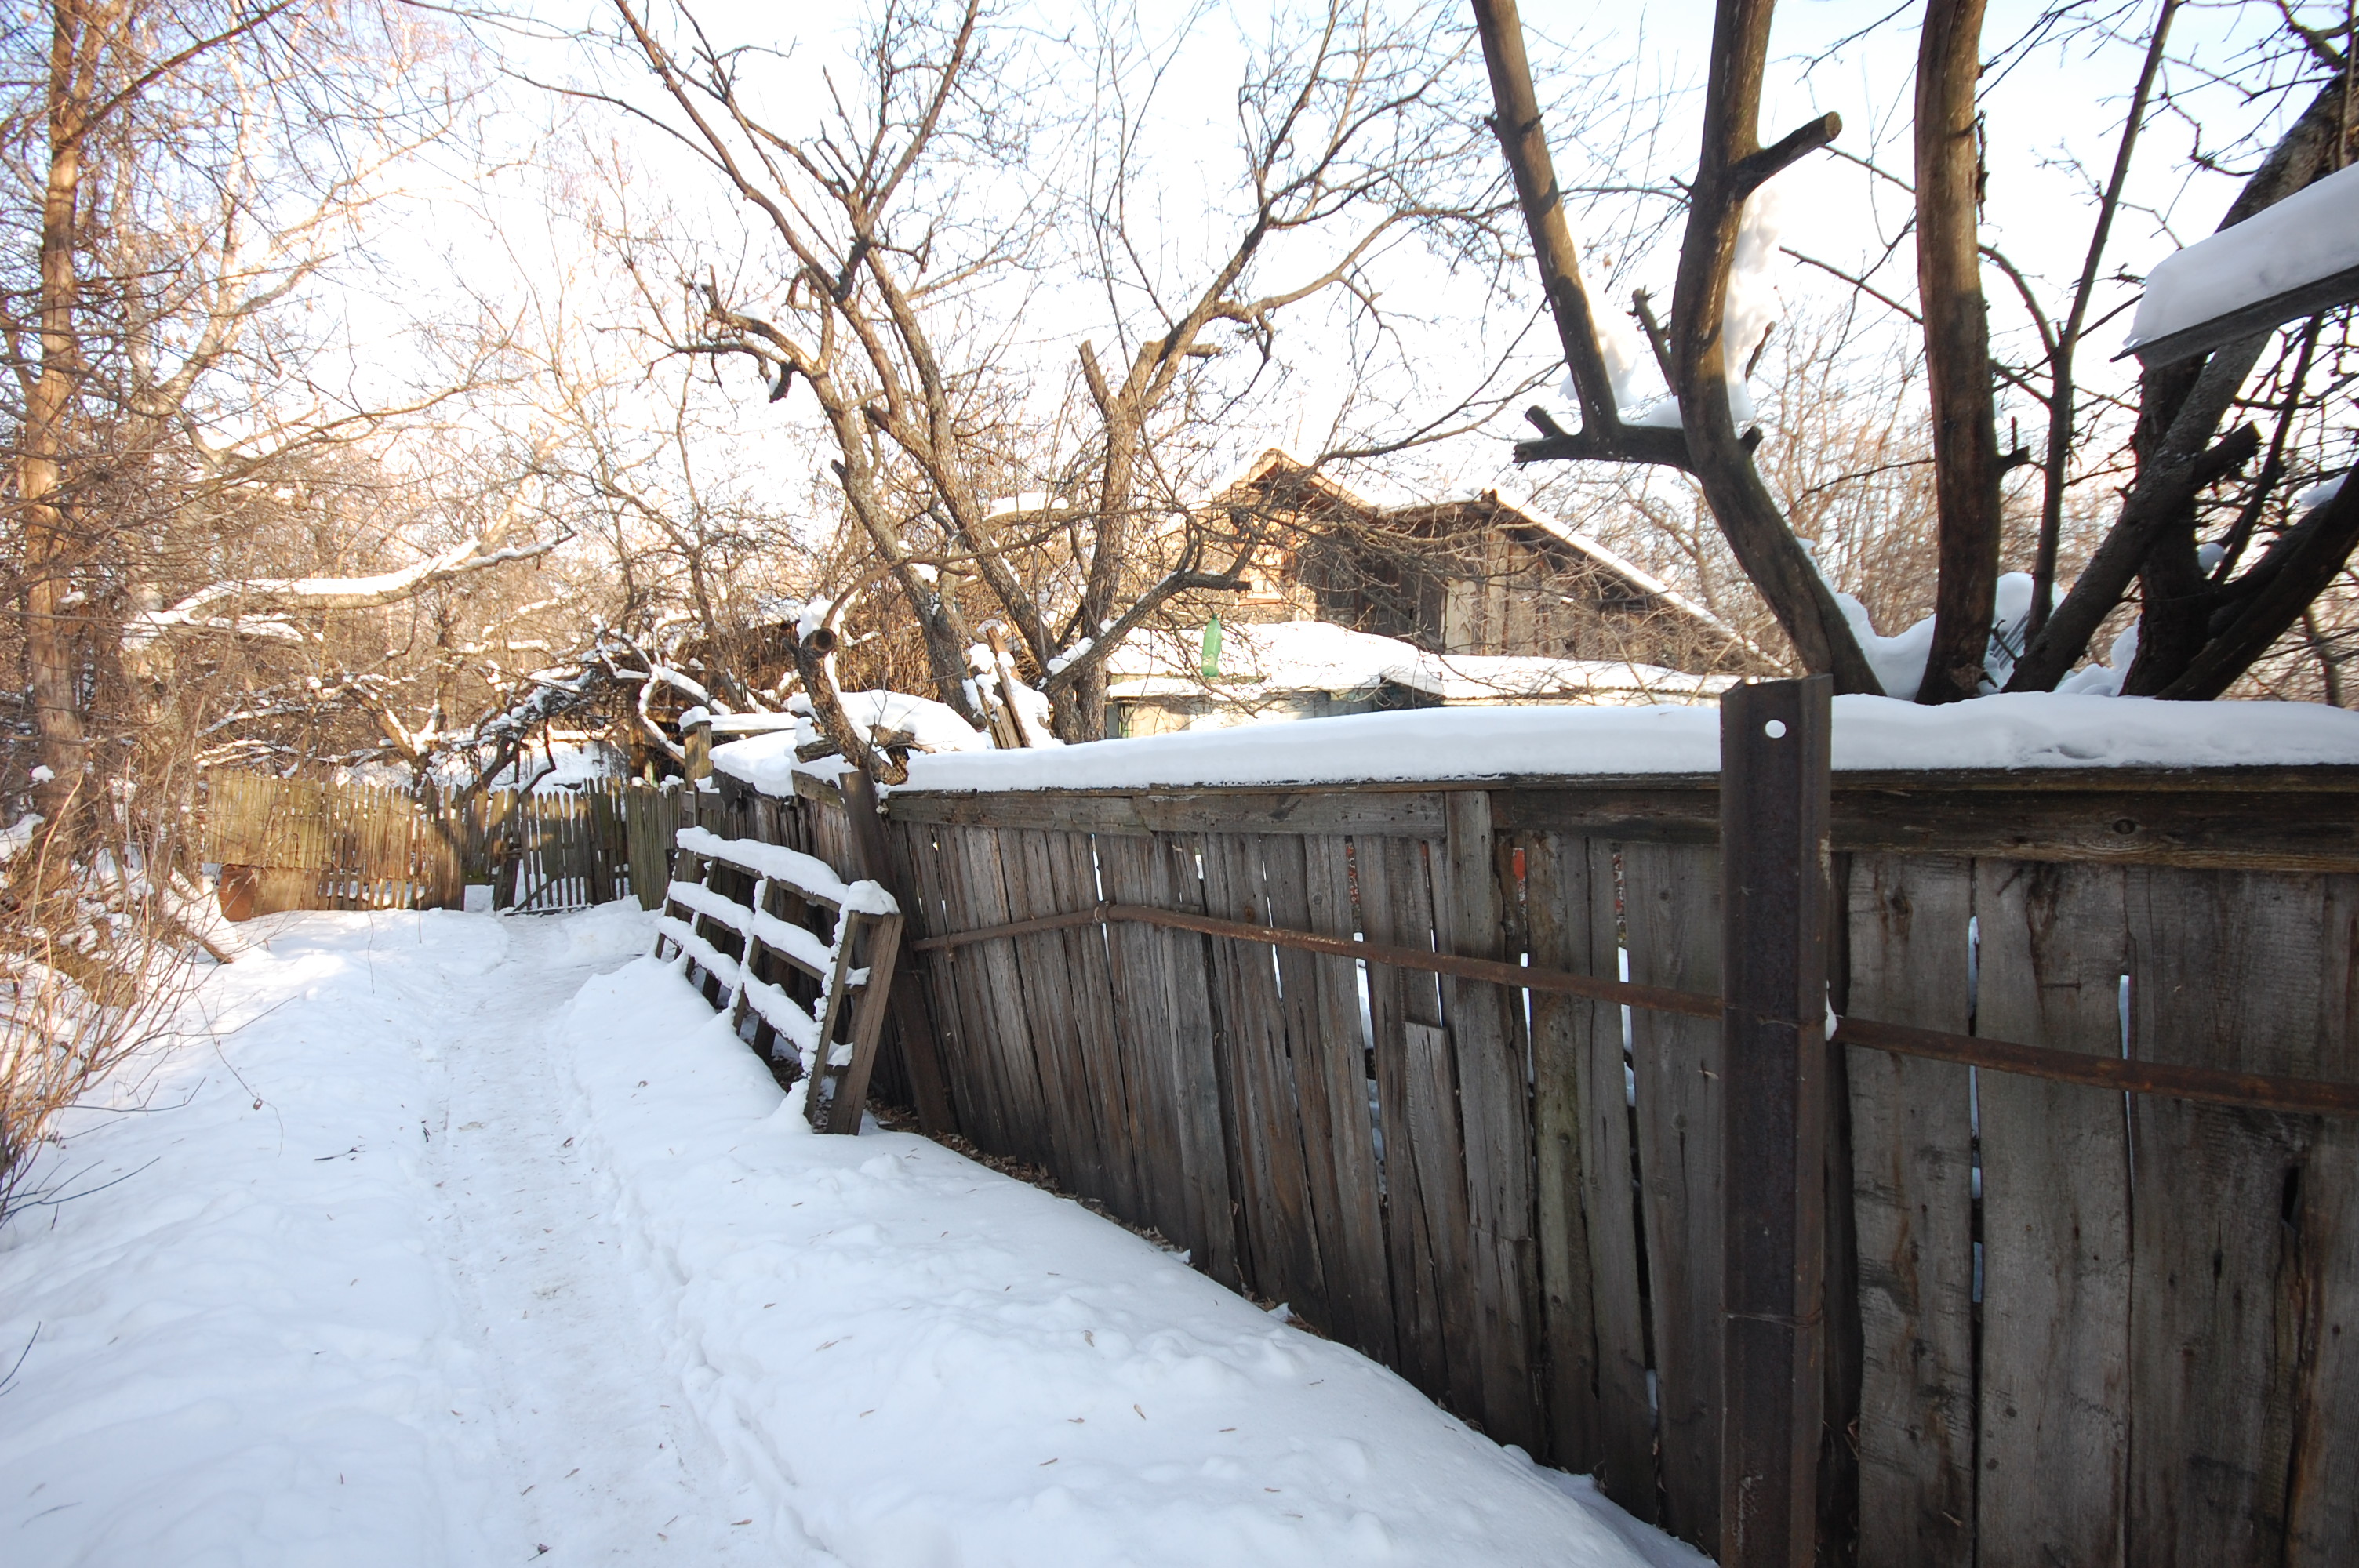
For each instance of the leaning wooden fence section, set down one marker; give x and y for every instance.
(780, 980)
(2062, 1323)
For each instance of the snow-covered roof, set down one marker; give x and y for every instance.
(2267, 263)
(1312, 656)
(2029, 730)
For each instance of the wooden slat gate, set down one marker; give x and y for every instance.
(560, 849)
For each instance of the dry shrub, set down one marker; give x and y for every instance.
(100, 931)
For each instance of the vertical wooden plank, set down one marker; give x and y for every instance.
(1912, 1155)
(577, 812)
(2056, 1221)
(1281, 1246)
(1142, 1034)
(1595, 1366)
(2227, 971)
(993, 1128)
(1839, 1439)
(1074, 879)
(1164, 1014)
(1076, 1136)
(1353, 1239)
(598, 848)
(2321, 1503)
(1627, 1388)
(998, 994)
(968, 1064)
(1776, 739)
(1494, 1112)
(1425, 1171)
(1051, 1007)
(1672, 912)
(1301, 1067)
(1417, 1330)
(1205, 1102)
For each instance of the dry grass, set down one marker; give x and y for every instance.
(98, 946)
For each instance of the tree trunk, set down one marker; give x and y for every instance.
(51, 665)
(2181, 408)
(2302, 566)
(1748, 515)
(1957, 347)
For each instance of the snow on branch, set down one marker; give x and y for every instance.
(259, 606)
(280, 596)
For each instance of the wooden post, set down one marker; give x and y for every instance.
(913, 1025)
(1774, 754)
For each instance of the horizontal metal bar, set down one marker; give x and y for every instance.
(2208, 1086)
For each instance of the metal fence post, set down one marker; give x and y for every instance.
(1773, 757)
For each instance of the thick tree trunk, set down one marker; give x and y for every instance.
(1733, 165)
(52, 668)
(1957, 347)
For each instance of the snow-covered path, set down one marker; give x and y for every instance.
(607, 1461)
(462, 1240)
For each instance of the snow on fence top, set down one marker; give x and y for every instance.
(2029, 730)
(2307, 239)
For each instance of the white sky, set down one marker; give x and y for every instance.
(2053, 105)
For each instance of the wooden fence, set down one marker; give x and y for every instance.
(2063, 1325)
(308, 844)
(312, 844)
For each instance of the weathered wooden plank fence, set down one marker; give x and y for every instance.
(2060, 1323)
(306, 844)
(315, 844)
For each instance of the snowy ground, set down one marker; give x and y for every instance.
(466, 1240)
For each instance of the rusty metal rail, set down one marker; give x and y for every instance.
(2208, 1086)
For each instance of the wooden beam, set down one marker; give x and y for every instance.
(1775, 740)
(2275, 818)
(1412, 813)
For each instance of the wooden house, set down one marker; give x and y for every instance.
(1491, 573)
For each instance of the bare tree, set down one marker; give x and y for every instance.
(2198, 635)
(179, 177)
(1069, 519)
